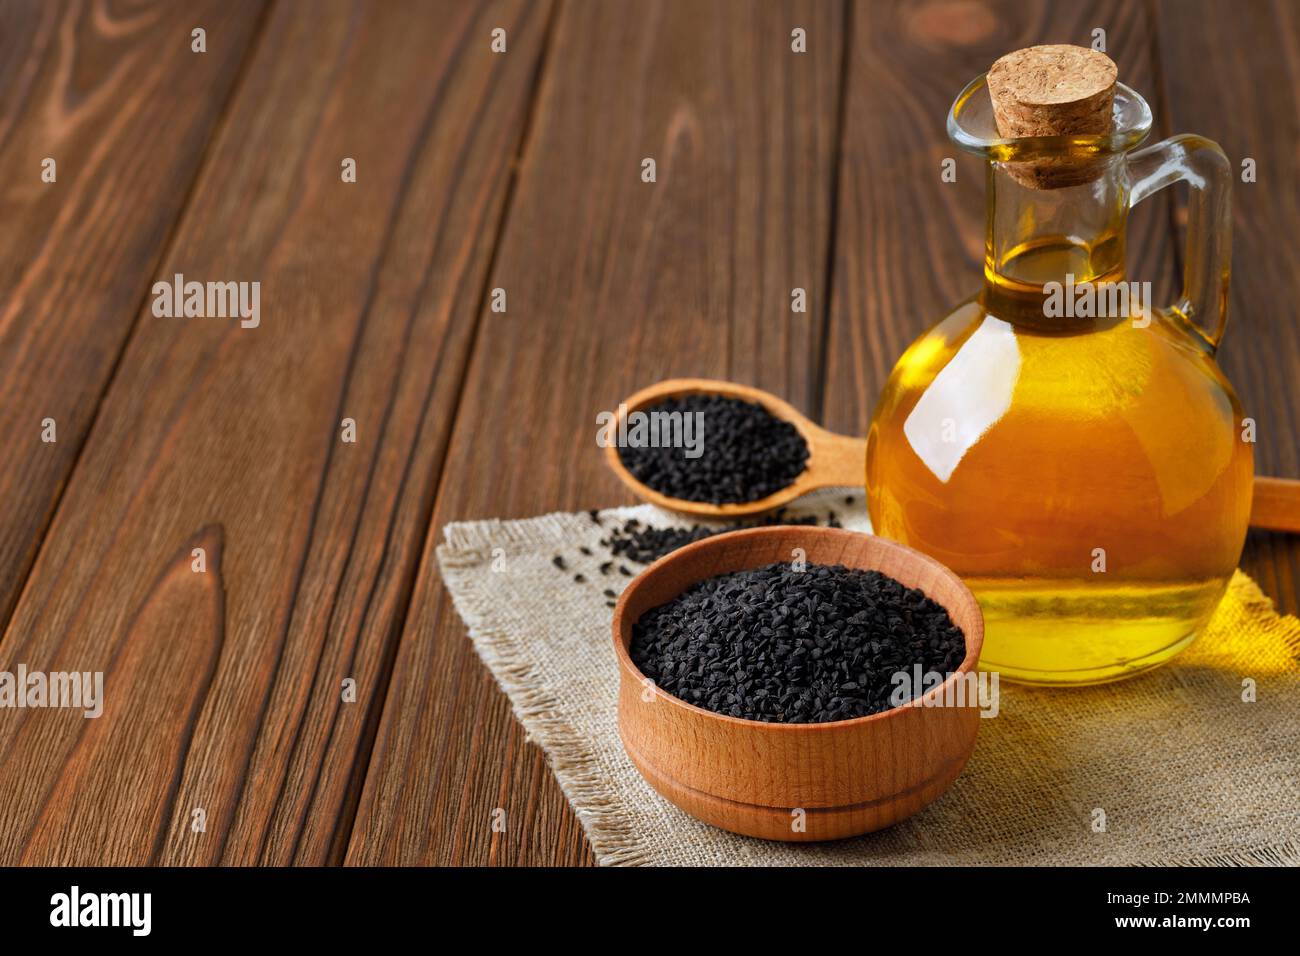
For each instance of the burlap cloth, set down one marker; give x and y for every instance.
(1185, 771)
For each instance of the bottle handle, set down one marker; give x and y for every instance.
(1207, 262)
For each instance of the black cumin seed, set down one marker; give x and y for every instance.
(624, 571)
(579, 579)
(610, 594)
(780, 645)
(558, 561)
(585, 550)
(645, 544)
(744, 452)
(605, 566)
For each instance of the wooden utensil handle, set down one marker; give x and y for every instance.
(839, 460)
(1276, 505)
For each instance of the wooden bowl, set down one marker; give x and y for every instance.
(833, 460)
(848, 776)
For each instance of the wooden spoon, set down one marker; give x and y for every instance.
(833, 460)
(839, 461)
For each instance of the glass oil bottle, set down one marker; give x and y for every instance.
(1080, 464)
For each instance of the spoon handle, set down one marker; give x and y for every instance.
(837, 461)
(1276, 505)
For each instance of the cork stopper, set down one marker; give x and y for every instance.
(1053, 90)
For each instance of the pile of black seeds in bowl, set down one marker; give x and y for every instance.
(747, 453)
(788, 646)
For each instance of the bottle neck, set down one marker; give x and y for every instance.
(1037, 237)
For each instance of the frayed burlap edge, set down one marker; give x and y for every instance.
(1285, 626)
(614, 840)
(1284, 854)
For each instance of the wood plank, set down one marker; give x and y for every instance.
(212, 433)
(1232, 74)
(910, 247)
(116, 97)
(165, 681)
(613, 283)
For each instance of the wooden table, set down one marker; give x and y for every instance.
(475, 171)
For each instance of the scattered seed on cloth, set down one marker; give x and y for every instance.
(645, 544)
(786, 646)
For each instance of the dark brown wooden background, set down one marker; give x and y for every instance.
(476, 170)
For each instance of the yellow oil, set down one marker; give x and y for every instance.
(1087, 478)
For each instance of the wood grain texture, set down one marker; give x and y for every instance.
(521, 171)
(907, 248)
(118, 772)
(613, 283)
(224, 687)
(847, 776)
(115, 96)
(1232, 74)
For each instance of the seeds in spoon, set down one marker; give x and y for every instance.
(744, 452)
